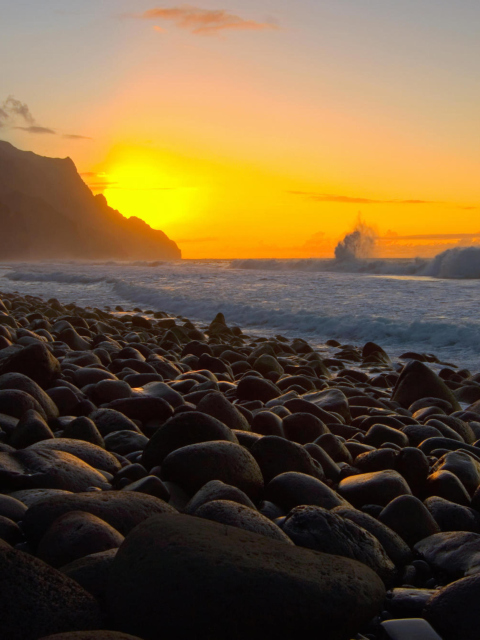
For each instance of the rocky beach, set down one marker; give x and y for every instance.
(160, 479)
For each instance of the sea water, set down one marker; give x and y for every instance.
(403, 305)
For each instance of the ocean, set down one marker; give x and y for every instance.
(430, 306)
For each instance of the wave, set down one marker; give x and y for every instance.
(346, 327)
(55, 276)
(457, 263)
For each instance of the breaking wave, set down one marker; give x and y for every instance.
(54, 276)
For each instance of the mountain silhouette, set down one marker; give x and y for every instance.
(48, 212)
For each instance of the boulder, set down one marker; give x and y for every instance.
(418, 381)
(379, 487)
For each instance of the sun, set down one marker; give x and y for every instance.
(145, 184)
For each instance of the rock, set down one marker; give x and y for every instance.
(409, 629)
(14, 402)
(465, 467)
(446, 485)
(267, 423)
(321, 530)
(396, 548)
(216, 405)
(217, 490)
(36, 362)
(38, 600)
(194, 465)
(31, 469)
(151, 485)
(454, 612)
(291, 489)
(378, 434)
(30, 496)
(242, 517)
(23, 383)
(109, 390)
(94, 456)
(376, 460)
(84, 428)
(109, 420)
(453, 555)
(276, 455)
(417, 433)
(144, 409)
(453, 517)
(414, 466)
(11, 508)
(10, 532)
(74, 535)
(379, 487)
(331, 400)
(410, 518)
(253, 388)
(335, 448)
(31, 428)
(89, 375)
(91, 635)
(123, 510)
(91, 572)
(418, 381)
(125, 442)
(303, 427)
(184, 429)
(265, 363)
(161, 390)
(180, 560)
(330, 468)
(407, 602)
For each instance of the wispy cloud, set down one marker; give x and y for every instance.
(75, 136)
(37, 129)
(328, 197)
(205, 21)
(13, 112)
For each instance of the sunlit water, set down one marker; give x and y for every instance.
(400, 311)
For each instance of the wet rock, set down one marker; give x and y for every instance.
(379, 487)
(23, 383)
(151, 485)
(321, 530)
(94, 456)
(452, 555)
(109, 420)
(446, 485)
(291, 489)
(36, 362)
(178, 560)
(125, 442)
(14, 402)
(451, 516)
(216, 405)
(409, 629)
(91, 572)
(465, 467)
(11, 508)
(453, 611)
(144, 409)
(303, 427)
(253, 388)
(378, 434)
(31, 428)
(267, 423)
(84, 428)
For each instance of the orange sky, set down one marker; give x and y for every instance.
(260, 129)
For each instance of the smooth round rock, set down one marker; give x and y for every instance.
(453, 611)
(217, 490)
(410, 518)
(197, 569)
(303, 428)
(216, 405)
(291, 489)
(276, 455)
(379, 487)
(90, 453)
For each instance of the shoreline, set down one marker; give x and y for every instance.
(345, 460)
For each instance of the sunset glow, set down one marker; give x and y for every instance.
(244, 130)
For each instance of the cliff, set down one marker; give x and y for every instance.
(48, 212)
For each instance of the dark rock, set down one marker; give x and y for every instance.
(321, 530)
(454, 612)
(184, 429)
(92, 635)
(125, 442)
(11, 508)
(418, 381)
(91, 572)
(194, 567)
(83, 428)
(143, 409)
(377, 460)
(10, 532)
(123, 510)
(38, 600)
(94, 456)
(329, 466)
(335, 448)
(379, 487)
(109, 420)
(414, 466)
(291, 489)
(267, 423)
(276, 455)
(151, 485)
(31, 428)
(34, 361)
(217, 490)
(242, 517)
(378, 434)
(23, 383)
(30, 469)
(452, 555)
(74, 535)
(465, 467)
(253, 388)
(14, 402)
(216, 405)
(446, 484)
(303, 427)
(453, 517)
(396, 548)
(410, 518)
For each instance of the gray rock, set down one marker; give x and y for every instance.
(454, 555)
(379, 487)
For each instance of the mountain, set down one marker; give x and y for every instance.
(48, 212)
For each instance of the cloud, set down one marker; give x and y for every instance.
(37, 129)
(205, 21)
(75, 136)
(391, 236)
(14, 107)
(327, 197)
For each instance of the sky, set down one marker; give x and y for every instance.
(258, 128)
